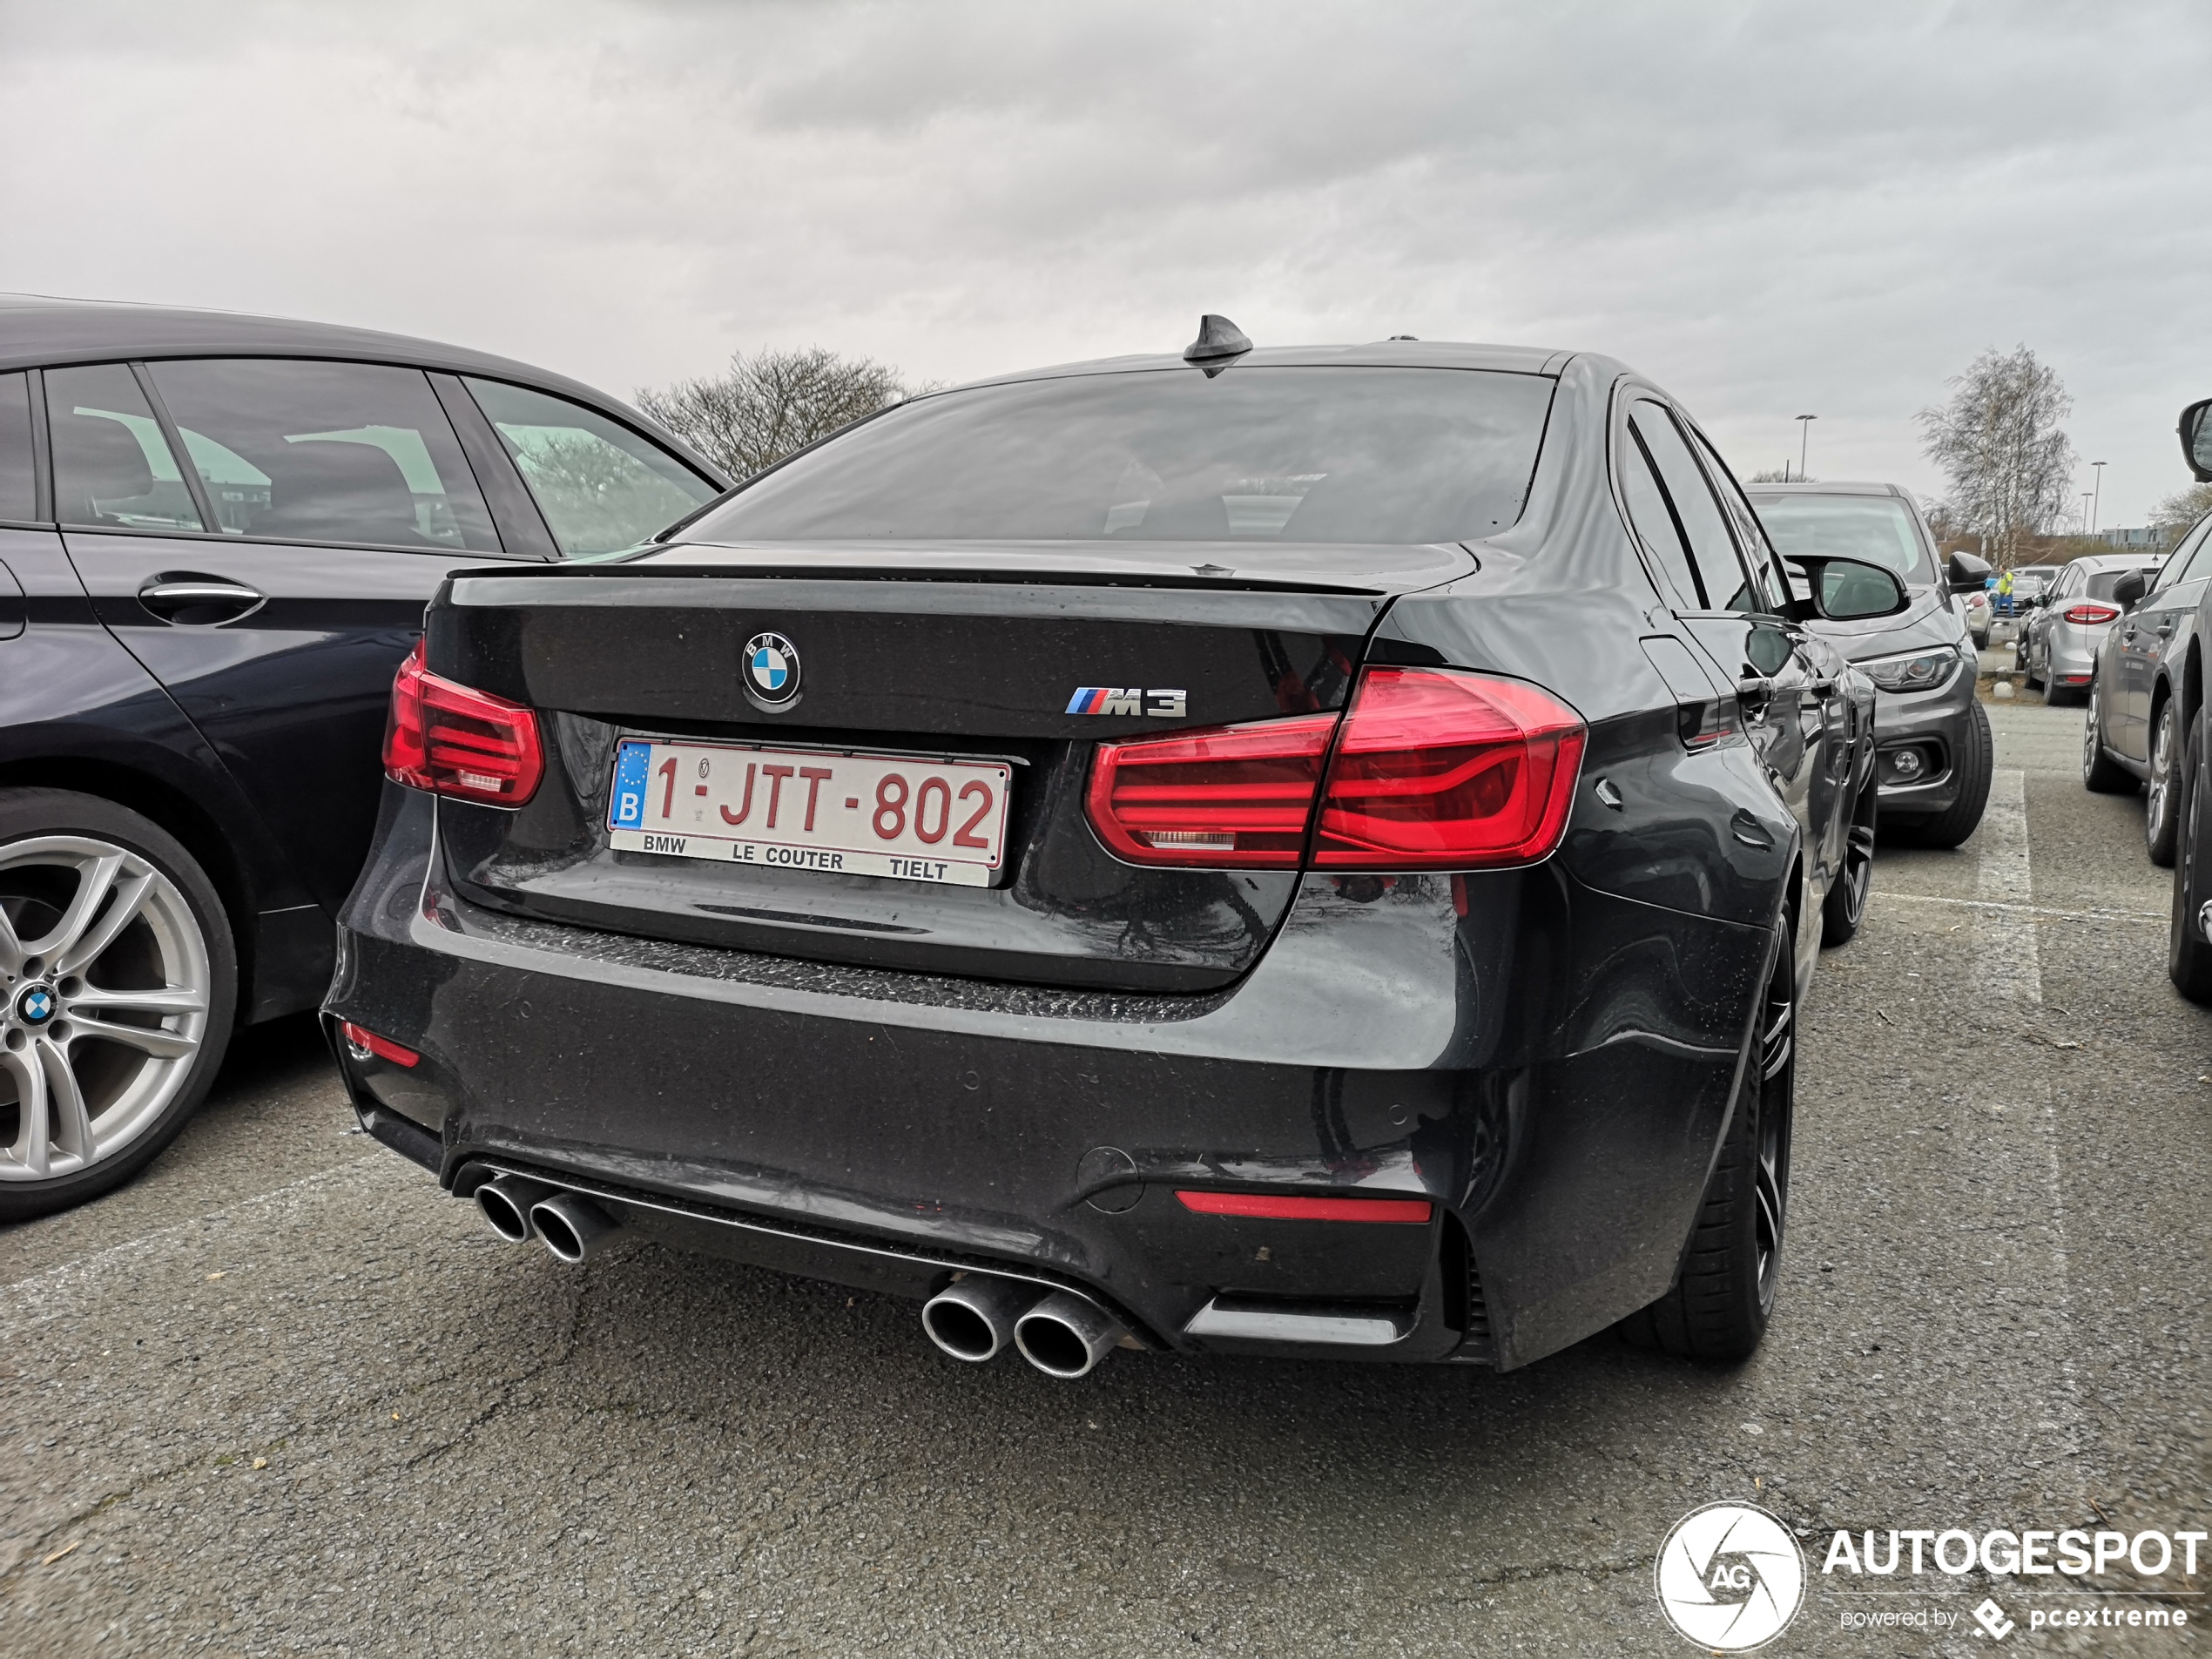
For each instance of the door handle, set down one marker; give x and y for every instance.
(1754, 692)
(199, 601)
(2165, 628)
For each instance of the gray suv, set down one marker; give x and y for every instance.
(1931, 733)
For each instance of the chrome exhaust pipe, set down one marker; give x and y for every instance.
(506, 1205)
(972, 1320)
(572, 1226)
(1066, 1336)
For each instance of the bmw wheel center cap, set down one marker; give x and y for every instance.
(35, 1006)
(771, 669)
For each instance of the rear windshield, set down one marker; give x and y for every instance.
(2102, 582)
(1877, 529)
(1256, 453)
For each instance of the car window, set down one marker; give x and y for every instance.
(601, 486)
(1877, 529)
(2189, 561)
(18, 478)
(1260, 453)
(1654, 522)
(1765, 564)
(302, 451)
(1712, 552)
(112, 468)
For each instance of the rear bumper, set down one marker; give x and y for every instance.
(1548, 1067)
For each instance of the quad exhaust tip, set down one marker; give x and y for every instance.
(573, 1227)
(506, 1204)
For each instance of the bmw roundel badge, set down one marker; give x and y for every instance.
(771, 669)
(35, 1006)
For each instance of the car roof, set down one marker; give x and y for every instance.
(2118, 560)
(39, 330)
(1821, 487)
(1379, 354)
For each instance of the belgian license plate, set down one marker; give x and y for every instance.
(862, 814)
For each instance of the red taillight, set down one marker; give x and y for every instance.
(1433, 769)
(362, 1042)
(451, 740)
(1235, 797)
(1267, 1207)
(2088, 613)
(1439, 770)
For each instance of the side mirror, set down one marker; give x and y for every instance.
(2197, 439)
(2128, 591)
(1966, 573)
(1848, 591)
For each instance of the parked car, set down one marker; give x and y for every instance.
(2028, 582)
(1975, 603)
(2143, 688)
(217, 537)
(1936, 751)
(2059, 641)
(1289, 852)
(2189, 936)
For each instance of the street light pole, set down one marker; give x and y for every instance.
(2096, 493)
(1803, 430)
(2088, 497)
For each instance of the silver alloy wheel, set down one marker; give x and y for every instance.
(2091, 742)
(2162, 763)
(106, 980)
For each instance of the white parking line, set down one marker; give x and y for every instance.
(2012, 967)
(48, 1290)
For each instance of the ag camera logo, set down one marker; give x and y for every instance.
(1730, 1577)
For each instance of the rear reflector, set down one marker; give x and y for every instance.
(1433, 769)
(1267, 1207)
(2088, 613)
(455, 741)
(364, 1043)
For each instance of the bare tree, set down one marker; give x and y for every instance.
(772, 403)
(2180, 510)
(1777, 476)
(1998, 441)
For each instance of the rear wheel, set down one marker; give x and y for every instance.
(1841, 911)
(1723, 1295)
(2158, 813)
(2189, 954)
(2027, 668)
(117, 966)
(2100, 773)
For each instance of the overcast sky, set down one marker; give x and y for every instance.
(1772, 210)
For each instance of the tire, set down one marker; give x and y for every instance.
(1845, 905)
(117, 1015)
(2027, 668)
(2188, 957)
(2100, 773)
(1976, 760)
(2160, 805)
(1722, 1297)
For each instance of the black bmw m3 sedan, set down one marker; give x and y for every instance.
(1304, 852)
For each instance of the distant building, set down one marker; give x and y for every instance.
(2142, 535)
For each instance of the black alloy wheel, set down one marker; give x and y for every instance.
(2028, 667)
(2158, 813)
(2188, 953)
(2100, 773)
(1722, 1297)
(1845, 906)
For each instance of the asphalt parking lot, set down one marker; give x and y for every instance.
(281, 1396)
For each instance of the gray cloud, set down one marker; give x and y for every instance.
(1771, 209)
